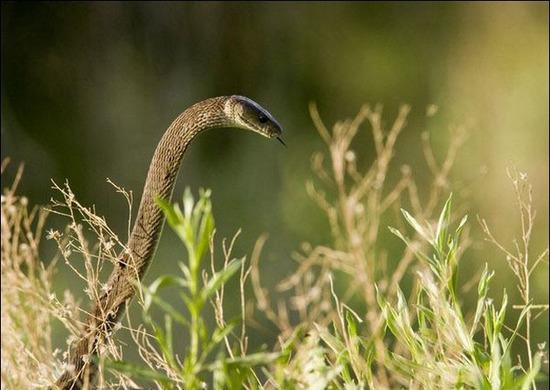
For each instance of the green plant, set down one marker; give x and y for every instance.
(432, 341)
(432, 345)
(364, 311)
(210, 353)
(438, 346)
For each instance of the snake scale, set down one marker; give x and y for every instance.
(224, 111)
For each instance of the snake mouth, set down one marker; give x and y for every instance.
(277, 133)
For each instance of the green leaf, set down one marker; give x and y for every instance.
(461, 226)
(421, 313)
(185, 270)
(443, 225)
(421, 256)
(160, 282)
(166, 307)
(482, 290)
(494, 372)
(164, 341)
(187, 300)
(137, 371)
(204, 232)
(484, 280)
(398, 234)
(499, 320)
(173, 216)
(416, 226)
(529, 378)
(220, 278)
(332, 342)
(380, 298)
(217, 337)
(188, 203)
(351, 325)
(254, 359)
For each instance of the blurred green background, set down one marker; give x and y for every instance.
(88, 89)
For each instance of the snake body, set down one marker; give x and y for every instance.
(224, 111)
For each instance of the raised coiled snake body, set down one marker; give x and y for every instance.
(225, 111)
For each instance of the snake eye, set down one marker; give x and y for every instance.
(262, 118)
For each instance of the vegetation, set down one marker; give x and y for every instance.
(359, 315)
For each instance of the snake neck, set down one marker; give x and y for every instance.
(164, 167)
(162, 174)
(224, 111)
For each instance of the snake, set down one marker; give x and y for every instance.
(219, 112)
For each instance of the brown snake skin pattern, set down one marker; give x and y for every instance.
(211, 113)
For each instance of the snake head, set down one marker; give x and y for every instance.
(249, 115)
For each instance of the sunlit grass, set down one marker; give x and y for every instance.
(360, 315)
